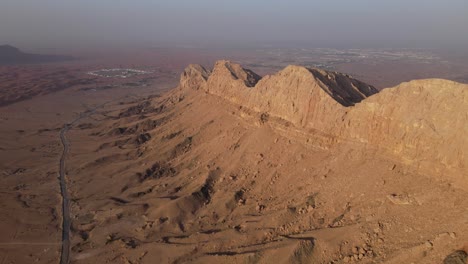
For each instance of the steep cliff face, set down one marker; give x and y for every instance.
(342, 87)
(425, 122)
(422, 122)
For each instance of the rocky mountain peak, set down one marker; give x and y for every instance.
(228, 68)
(194, 77)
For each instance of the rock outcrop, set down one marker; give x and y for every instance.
(422, 122)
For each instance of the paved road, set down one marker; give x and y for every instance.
(64, 258)
(65, 255)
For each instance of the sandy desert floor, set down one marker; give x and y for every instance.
(29, 150)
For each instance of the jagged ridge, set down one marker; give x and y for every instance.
(297, 94)
(422, 122)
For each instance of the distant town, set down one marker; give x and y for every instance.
(117, 73)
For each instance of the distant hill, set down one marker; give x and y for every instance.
(10, 55)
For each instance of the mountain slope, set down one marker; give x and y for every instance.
(231, 168)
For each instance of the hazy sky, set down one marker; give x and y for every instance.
(346, 23)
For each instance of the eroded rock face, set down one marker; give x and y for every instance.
(422, 122)
(425, 122)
